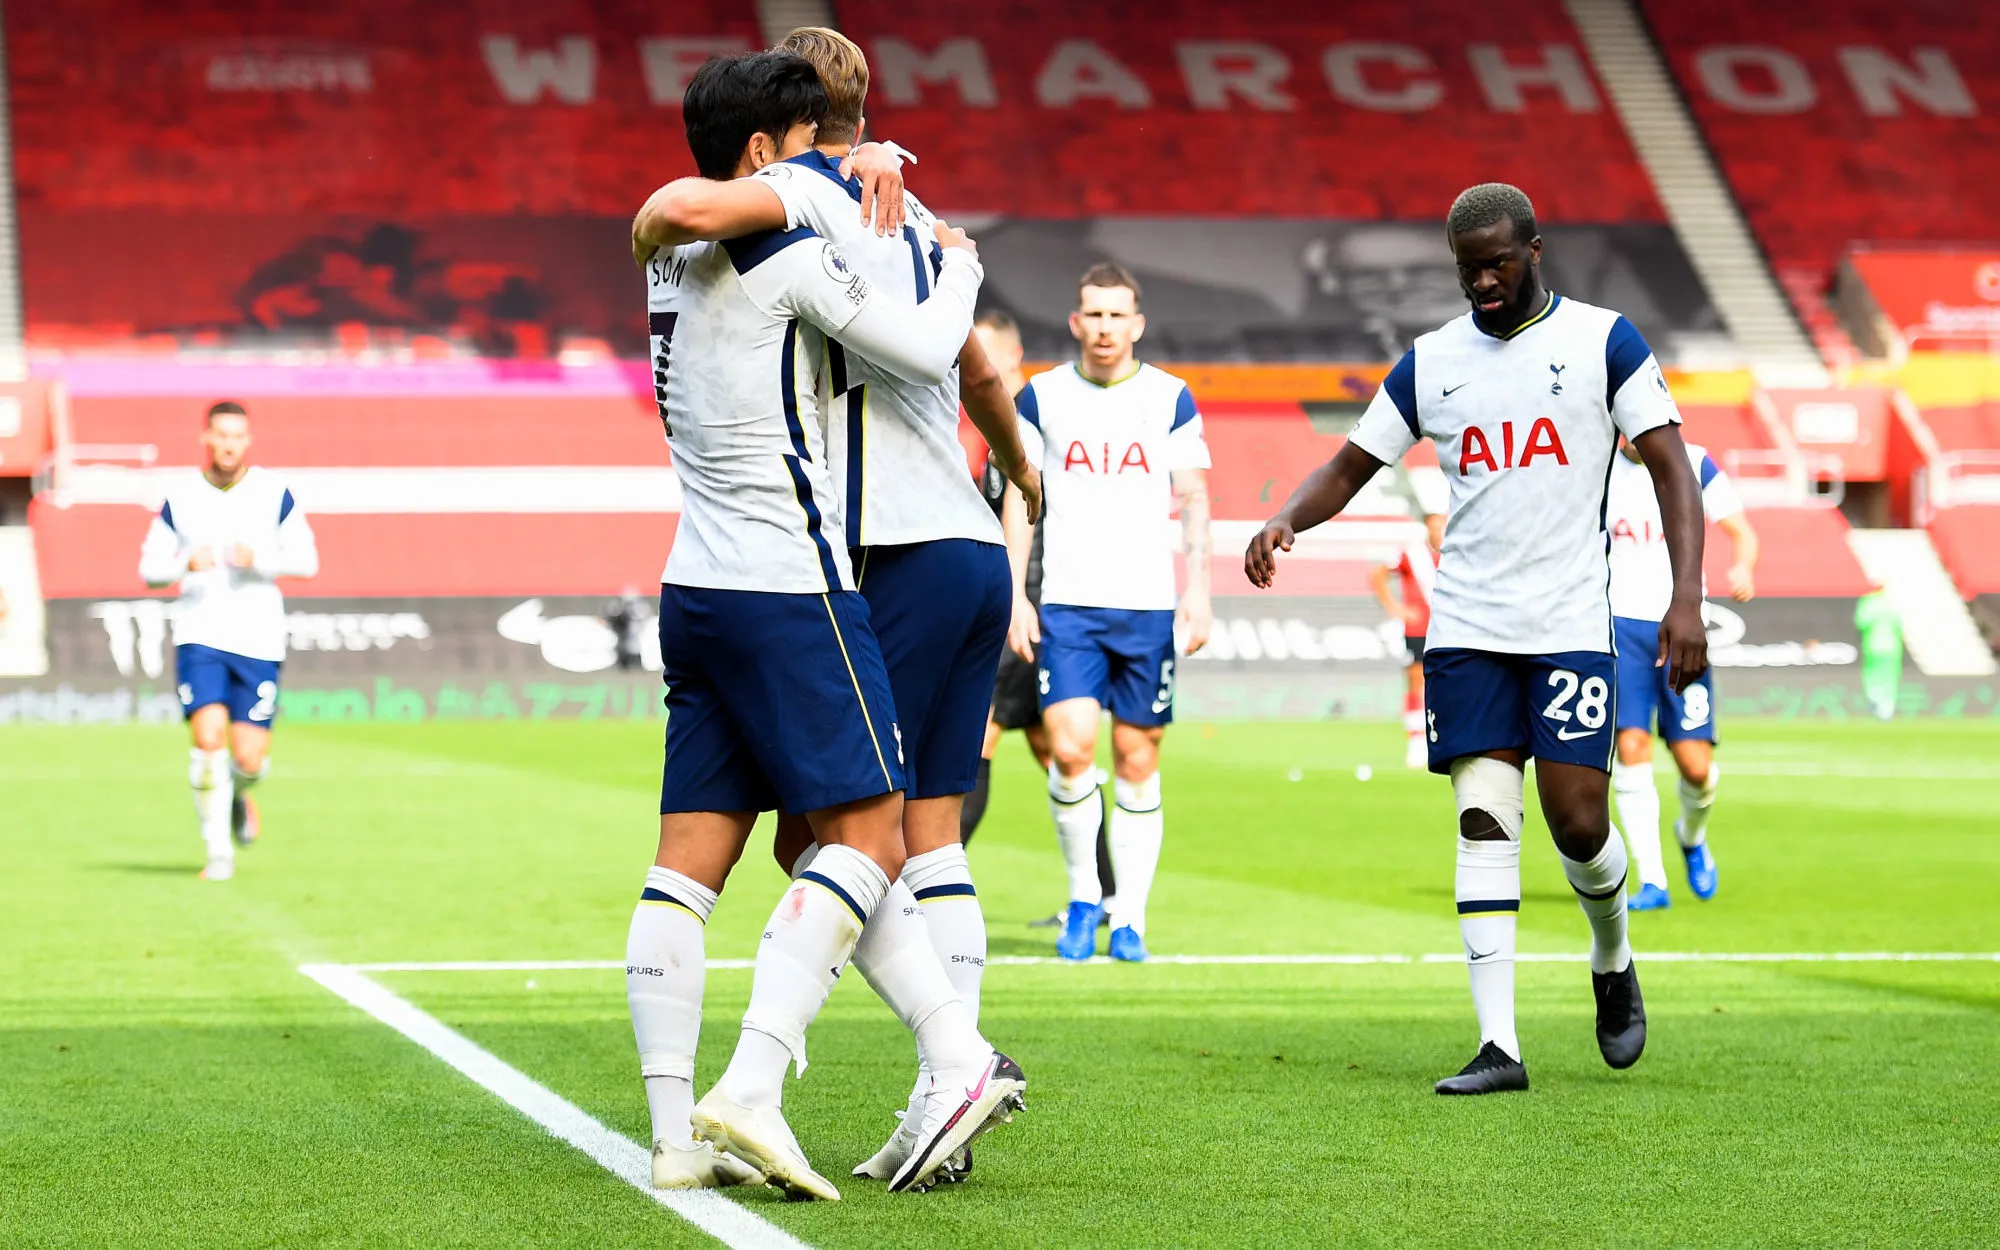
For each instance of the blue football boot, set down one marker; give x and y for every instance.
(1126, 944)
(1079, 938)
(1649, 898)
(1701, 870)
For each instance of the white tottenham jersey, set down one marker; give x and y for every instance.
(1526, 427)
(736, 335)
(892, 446)
(1107, 454)
(239, 610)
(1642, 574)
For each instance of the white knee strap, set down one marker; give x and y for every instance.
(1630, 777)
(1490, 786)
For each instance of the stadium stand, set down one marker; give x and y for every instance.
(1867, 121)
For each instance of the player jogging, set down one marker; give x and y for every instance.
(1642, 587)
(777, 693)
(1525, 397)
(927, 553)
(1415, 566)
(1119, 442)
(226, 535)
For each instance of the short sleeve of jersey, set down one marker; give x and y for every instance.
(794, 188)
(1388, 429)
(1186, 446)
(798, 273)
(1718, 496)
(1030, 412)
(1635, 390)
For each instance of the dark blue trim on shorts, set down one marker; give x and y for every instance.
(842, 895)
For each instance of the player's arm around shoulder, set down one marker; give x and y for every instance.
(919, 343)
(688, 210)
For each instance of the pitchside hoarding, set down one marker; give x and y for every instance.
(531, 658)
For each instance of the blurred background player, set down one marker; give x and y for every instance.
(778, 693)
(1119, 443)
(1525, 398)
(1016, 695)
(1642, 587)
(1415, 567)
(226, 535)
(1881, 631)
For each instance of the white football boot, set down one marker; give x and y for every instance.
(760, 1137)
(884, 1163)
(220, 868)
(956, 1114)
(700, 1166)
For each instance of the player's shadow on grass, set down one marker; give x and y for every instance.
(149, 870)
(1033, 942)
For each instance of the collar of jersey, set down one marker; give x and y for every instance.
(820, 162)
(1137, 365)
(1535, 320)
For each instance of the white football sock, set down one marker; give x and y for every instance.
(208, 775)
(941, 881)
(1078, 811)
(665, 967)
(1695, 805)
(1137, 828)
(247, 781)
(1600, 889)
(1639, 814)
(895, 955)
(1487, 886)
(807, 940)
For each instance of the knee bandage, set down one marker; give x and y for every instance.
(1490, 786)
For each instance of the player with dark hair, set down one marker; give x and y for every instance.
(226, 535)
(1119, 443)
(779, 697)
(1526, 397)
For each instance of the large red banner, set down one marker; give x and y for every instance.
(1947, 299)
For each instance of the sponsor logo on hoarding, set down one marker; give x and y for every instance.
(575, 644)
(137, 631)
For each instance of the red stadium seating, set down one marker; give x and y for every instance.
(1805, 555)
(1855, 120)
(1968, 541)
(1725, 429)
(1371, 109)
(1965, 429)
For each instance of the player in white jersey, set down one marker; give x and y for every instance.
(1525, 397)
(226, 534)
(927, 551)
(777, 694)
(1119, 443)
(1642, 585)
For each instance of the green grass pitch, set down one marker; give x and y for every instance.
(171, 1079)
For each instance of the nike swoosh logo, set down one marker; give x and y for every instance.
(1449, 391)
(1475, 956)
(1564, 735)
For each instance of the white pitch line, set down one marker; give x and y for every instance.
(1454, 957)
(727, 1222)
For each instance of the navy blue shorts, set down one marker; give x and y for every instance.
(1120, 657)
(1643, 691)
(247, 687)
(773, 701)
(940, 611)
(1561, 707)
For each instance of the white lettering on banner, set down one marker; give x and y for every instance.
(1560, 68)
(1215, 69)
(669, 63)
(900, 70)
(1079, 69)
(1721, 71)
(570, 72)
(1933, 82)
(1347, 77)
(136, 630)
(297, 72)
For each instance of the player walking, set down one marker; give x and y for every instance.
(1119, 442)
(1525, 397)
(226, 535)
(928, 557)
(1642, 588)
(1415, 566)
(777, 693)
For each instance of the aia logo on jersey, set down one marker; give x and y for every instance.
(1078, 457)
(1643, 533)
(1476, 447)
